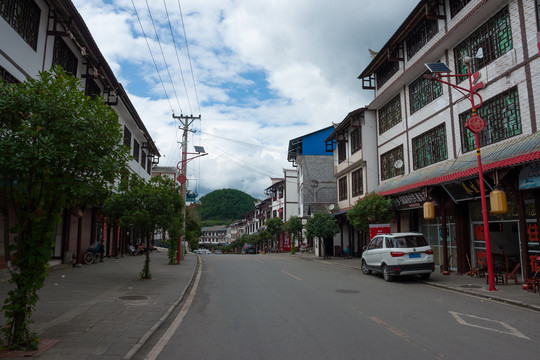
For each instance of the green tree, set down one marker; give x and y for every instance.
(147, 206)
(274, 226)
(322, 225)
(371, 209)
(264, 236)
(59, 148)
(294, 227)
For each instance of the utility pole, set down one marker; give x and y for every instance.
(185, 122)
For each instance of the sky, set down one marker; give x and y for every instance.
(258, 72)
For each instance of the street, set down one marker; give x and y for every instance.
(282, 307)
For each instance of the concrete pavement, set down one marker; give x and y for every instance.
(105, 311)
(509, 294)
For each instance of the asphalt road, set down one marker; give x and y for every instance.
(281, 307)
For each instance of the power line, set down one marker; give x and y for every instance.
(163, 55)
(245, 143)
(189, 57)
(152, 55)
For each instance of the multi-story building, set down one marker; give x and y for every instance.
(213, 235)
(424, 151)
(355, 169)
(37, 35)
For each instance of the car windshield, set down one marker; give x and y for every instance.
(411, 241)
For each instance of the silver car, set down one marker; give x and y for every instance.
(398, 254)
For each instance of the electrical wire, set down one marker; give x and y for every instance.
(163, 55)
(152, 55)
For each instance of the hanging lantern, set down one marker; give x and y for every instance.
(429, 210)
(497, 200)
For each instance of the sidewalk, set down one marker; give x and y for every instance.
(510, 294)
(104, 310)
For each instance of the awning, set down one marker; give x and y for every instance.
(516, 151)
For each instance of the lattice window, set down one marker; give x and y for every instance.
(390, 114)
(356, 140)
(127, 137)
(342, 151)
(385, 72)
(456, 6)
(502, 118)
(23, 16)
(388, 163)
(357, 182)
(430, 147)
(92, 89)
(136, 150)
(420, 35)
(7, 77)
(63, 56)
(495, 39)
(343, 188)
(423, 91)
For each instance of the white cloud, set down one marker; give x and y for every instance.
(266, 72)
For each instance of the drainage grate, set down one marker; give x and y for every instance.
(133, 297)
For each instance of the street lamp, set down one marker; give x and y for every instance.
(474, 124)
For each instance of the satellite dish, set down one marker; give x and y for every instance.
(331, 207)
(398, 164)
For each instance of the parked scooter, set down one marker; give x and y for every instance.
(93, 254)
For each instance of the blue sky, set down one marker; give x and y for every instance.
(259, 73)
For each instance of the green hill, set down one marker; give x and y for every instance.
(222, 207)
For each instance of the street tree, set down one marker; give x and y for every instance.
(147, 206)
(293, 227)
(58, 149)
(274, 226)
(371, 209)
(322, 226)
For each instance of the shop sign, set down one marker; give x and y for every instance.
(415, 199)
(529, 177)
(375, 229)
(467, 189)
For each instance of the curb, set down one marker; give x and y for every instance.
(140, 343)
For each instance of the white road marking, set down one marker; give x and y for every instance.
(460, 318)
(156, 350)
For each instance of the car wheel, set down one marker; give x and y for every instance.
(365, 268)
(386, 274)
(425, 276)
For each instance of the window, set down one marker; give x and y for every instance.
(343, 188)
(23, 16)
(91, 88)
(495, 39)
(356, 140)
(456, 6)
(385, 72)
(430, 147)
(127, 137)
(422, 91)
(502, 118)
(342, 151)
(357, 182)
(63, 56)
(7, 77)
(537, 14)
(420, 35)
(143, 159)
(389, 163)
(149, 166)
(136, 150)
(390, 114)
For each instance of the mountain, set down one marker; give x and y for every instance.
(222, 207)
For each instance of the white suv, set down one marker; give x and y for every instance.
(398, 254)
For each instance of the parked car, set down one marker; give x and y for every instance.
(218, 252)
(248, 249)
(398, 254)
